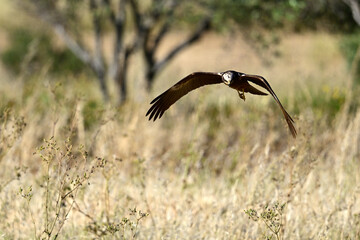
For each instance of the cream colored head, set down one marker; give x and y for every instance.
(228, 77)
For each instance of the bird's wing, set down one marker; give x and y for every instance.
(252, 90)
(187, 84)
(258, 80)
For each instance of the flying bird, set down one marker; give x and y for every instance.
(236, 80)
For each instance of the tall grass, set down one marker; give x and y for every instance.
(73, 167)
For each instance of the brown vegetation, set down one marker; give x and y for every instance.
(195, 172)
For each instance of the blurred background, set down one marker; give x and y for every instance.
(79, 159)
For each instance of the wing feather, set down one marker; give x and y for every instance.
(252, 90)
(260, 81)
(183, 87)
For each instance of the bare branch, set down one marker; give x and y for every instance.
(75, 48)
(204, 26)
(48, 12)
(165, 27)
(118, 22)
(136, 12)
(48, 15)
(98, 58)
(118, 68)
(142, 27)
(98, 62)
(355, 9)
(110, 10)
(161, 9)
(151, 25)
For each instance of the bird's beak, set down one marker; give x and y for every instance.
(226, 82)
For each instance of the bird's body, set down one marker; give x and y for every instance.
(244, 86)
(236, 80)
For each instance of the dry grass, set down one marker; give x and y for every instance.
(196, 170)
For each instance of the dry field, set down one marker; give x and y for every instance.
(214, 167)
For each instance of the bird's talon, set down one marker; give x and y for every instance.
(242, 95)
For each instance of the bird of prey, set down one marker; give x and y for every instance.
(236, 80)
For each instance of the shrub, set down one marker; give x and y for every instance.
(66, 172)
(325, 102)
(349, 46)
(23, 42)
(92, 113)
(272, 217)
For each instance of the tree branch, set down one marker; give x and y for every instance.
(163, 30)
(74, 46)
(118, 22)
(136, 12)
(98, 57)
(142, 27)
(355, 9)
(204, 26)
(165, 27)
(111, 11)
(48, 15)
(98, 62)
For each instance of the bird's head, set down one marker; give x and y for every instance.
(228, 77)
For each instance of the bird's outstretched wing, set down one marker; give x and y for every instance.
(252, 90)
(260, 81)
(187, 84)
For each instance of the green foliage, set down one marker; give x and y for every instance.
(23, 41)
(20, 42)
(64, 61)
(268, 14)
(92, 113)
(325, 102)
(297, 14)
(349, 46)
(329, 100)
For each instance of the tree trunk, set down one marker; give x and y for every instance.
(121, 75)
(103, 86)
(149, 76)
(122, 86)
(153, 66)
(355, 9)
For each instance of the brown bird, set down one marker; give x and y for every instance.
(236, 80)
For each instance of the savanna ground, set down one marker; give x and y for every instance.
(214, 167)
